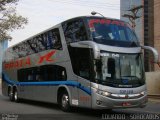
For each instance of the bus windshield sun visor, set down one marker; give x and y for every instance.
(88, 44)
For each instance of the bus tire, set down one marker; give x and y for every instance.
(64, 102)
(10, 94)
(15, 95)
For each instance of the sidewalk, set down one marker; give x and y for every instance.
(0, 82)
(154, 100)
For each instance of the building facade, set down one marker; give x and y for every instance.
(147, 26)
(3, 47)
(156, 27)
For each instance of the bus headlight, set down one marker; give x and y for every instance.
(143, 93)
(104, 93)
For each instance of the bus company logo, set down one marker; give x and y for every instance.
(125, 81)
(27, 61)
(105, 21)
(18, 63)
(47, 57)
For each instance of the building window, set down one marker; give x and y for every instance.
(145, 1)
(145, 16)
(146, 21)
(42, 73)
(146, 10)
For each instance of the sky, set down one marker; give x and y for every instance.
(43, 14)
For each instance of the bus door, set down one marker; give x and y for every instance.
(80, 59)
(84, 91)
(75, 31)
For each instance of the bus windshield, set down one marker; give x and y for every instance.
(120, 70)
(112, 32)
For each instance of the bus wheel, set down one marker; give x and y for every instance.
(65, 105)
(15, 96)
(10, 94)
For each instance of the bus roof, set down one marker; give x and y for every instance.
(57, 25)
(83, 17)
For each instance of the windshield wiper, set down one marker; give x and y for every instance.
(133, 44)
(98, 37)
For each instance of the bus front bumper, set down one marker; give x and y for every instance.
(102, 102)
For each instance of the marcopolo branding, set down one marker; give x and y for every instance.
(27, 61)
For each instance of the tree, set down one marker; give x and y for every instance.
(9, 19)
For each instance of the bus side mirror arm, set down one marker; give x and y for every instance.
(88, 44)
(154, 51)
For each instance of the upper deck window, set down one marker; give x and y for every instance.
(45, 41)
(112, 32)
(74, 31)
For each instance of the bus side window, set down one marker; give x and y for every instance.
(74, 31)
(39, 74)
(30, 77)
(26, 75)
(84, 68)
(54, 73)
(31, 74)
(50, 74)
(52, 39)
(81, 62)
(61, 74)
(22, 75)
(56, 40)
(42, 73)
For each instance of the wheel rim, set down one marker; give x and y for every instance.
(65, 100)
(15, 96)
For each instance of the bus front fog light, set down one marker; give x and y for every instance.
(104, 93)
(98, 102)
(142, 93)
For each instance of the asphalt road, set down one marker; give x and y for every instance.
(30, 110)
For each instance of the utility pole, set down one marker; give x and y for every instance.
(158, 64)
(133, 15)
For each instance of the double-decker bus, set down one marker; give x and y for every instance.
(89, 61)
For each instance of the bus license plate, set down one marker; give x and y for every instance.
(126, 104)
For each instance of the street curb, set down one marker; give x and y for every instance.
(153, 100)
(156, 96)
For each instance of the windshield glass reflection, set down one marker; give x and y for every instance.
(112, 32)
(120, 70)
